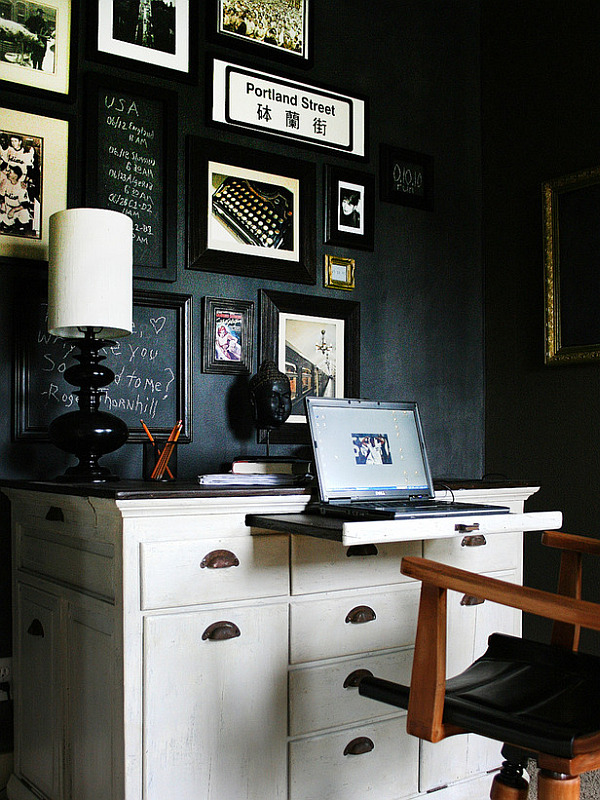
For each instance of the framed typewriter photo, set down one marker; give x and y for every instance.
(250, 213)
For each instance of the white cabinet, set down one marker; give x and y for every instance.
(163, 649)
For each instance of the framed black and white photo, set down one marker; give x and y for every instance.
(277, 29)
(34, 155)
(130, 144)
(349, 208)
(35, 45)
(405, 177)
(250, 212)
(154, 36)
(228, 335)
(316, 342)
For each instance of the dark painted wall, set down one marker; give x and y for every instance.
(540, 120)
(420, 290)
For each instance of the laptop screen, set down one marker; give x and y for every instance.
(366, 449)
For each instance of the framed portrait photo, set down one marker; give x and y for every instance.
(349, 208)
(250, 212)
(35, 45)
(228, 335)
(405, 177)
(316, 342)
(151, 35)
(279, 29)
(34, 153)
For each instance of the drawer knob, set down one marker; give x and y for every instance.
(36, 629)
(360, 745)
(220, 631)
(354, 678)
(55, 514)
(470, 600)
(474, 541)
(360, 614)
(361, 550)
(219, 559)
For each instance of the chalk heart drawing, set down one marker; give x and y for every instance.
(158, 324)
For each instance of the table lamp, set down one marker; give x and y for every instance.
(89, 295)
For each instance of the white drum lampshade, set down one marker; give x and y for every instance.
(90, 273)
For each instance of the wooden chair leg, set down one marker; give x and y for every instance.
(509, 783)
(553, 786)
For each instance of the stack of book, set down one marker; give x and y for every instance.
(272, 471)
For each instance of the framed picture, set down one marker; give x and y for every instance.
(339, 272)
(34, 154)
(405, 177)
(154, 36)
(35, 45)
(228, 335)
(316, 342)
(152, 368)
(250, 212)
(279, 29)
(130, 144)
(349, 208)
(572, 267)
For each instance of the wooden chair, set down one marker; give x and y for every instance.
(541, 700)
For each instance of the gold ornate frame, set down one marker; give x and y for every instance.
(571, 229)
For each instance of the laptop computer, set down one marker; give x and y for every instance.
(371, 462)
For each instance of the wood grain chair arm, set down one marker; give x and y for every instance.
(568, 541)
(533, 601)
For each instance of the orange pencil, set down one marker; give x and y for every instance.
(161, 464)
(149, 435)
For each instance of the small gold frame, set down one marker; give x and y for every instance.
(339, 272)
(571, 209)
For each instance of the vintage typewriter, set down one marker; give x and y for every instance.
(255, 213)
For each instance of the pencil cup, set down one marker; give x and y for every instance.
(152, 451)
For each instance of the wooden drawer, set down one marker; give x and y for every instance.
(82, 564)
(319, 565)
(180, 573)
(500, 551)
(319, 630)
(320, 769)
(324, 696)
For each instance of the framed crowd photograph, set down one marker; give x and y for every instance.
(151, 366)
(279, 29)
(349, 208)
(250, 212)
(228, 335)
(571, 209)
(316, 342)
(153, 36)
(35, 45)
(339, 272)
(405, 177)
(130, 141)
(34, 153)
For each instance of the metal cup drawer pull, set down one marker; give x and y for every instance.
(221, 631)
(219, 559)
(36, 628)
(362, 744)
(478, 540)
(354, 678)
(55, 514)
(360, 614)
(470, 600)
(361, 550)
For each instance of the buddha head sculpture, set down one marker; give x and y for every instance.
(270, 396)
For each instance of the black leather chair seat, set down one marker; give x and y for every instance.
(527, 693)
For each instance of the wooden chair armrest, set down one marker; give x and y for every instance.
(533, 601)
(568, 541)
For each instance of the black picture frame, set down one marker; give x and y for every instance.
(355, 191)
(219, 34)
(176, 58)
(131, 139)
(272, 304)
(161, 341)
(232, 353)
(213, 167)
(571, 204)
(405, 177)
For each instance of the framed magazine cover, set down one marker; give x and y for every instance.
(227, 335)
